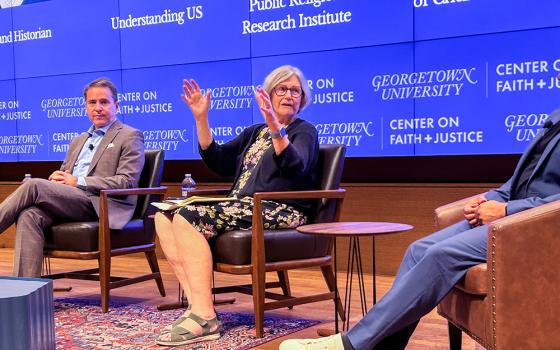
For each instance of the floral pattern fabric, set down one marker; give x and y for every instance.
(233, 215)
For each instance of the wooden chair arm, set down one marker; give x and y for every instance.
(451, 213)
(523, 252)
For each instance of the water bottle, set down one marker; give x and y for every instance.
(187, 185)
(26, 177)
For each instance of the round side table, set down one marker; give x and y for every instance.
(353, 230)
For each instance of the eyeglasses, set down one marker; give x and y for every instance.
(102, 103)
(281, 90)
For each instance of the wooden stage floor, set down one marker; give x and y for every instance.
(431, 333)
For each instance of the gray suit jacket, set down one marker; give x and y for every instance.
(117, 163)
(544, 182)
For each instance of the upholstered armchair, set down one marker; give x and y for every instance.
(512, 301)
(94, 240)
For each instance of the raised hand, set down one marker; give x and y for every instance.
(197, 102)
(265, 105)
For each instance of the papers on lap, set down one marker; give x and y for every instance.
(172, 204)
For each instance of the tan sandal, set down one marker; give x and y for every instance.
(177, 322)
(181, 336)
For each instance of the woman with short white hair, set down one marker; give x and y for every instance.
(277, 155)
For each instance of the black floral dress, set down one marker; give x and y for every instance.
(213, 219)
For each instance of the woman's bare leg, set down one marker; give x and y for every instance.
(194, 255)
(164, 230)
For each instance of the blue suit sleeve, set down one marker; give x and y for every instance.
(518, 205)
(501, 194)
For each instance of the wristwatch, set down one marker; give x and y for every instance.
(277, 134)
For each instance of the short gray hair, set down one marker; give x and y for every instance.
(102, 83)
(285, 72)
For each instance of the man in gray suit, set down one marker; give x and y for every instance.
(109, 155)
(434, 264)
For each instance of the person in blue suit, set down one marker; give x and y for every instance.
(434, 264)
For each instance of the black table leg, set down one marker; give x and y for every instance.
(348, 286)
(354, 257)
(373, 269)
(335, 291)
(361, 283)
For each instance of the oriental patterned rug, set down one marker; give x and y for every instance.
(80, 324)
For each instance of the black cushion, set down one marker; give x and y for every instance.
(83, 236)
(234, 247)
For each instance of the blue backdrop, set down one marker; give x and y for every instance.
(388, 77)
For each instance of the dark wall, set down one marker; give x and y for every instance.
(448, 169)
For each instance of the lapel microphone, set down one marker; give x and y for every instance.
(91, 145)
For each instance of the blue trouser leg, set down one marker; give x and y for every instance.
(430, 268)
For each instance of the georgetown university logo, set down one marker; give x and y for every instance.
(64, 107)
(20, 144)
(435, 83)
(231, 97)
(165, 139)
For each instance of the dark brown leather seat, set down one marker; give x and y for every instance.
(511, 302)
(258, 251)
(94, 240)
(234, 248)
